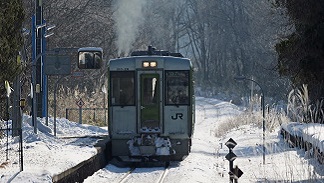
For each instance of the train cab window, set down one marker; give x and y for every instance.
(122, 88)
(177, 87)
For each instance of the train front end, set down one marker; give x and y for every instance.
(151, 107)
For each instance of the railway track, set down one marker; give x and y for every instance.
(152, 174)
(127, 175)
(164, 174)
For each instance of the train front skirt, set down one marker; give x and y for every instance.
(150, 145)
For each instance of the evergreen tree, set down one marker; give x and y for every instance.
(301, 55)
(11, 19)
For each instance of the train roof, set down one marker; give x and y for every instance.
(150, 57)
(152, 51)
(168, 62)
(166, 59)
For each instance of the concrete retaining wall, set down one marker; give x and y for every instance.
(88, 167)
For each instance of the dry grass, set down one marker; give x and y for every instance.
(299, 109)
(253, 115)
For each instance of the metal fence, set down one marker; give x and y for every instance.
(91, 116)
(11, 152)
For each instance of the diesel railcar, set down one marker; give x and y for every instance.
(151, 106)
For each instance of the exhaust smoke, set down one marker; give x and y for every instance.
(128, 17)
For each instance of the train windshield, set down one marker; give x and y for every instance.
(122, 88)
(177, 87)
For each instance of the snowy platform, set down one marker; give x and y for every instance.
(49, 158)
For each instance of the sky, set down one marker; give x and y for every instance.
(46, 155)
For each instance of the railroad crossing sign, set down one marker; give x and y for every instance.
(237, 172)
(234, 172)
(230, 156)
(80, 103)
(230, 143)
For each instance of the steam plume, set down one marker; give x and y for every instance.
(128, 17)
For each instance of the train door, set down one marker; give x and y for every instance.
(150, 102)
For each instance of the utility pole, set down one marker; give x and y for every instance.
(37, 37)
(38, 49)
(39, 78)
(17, 113)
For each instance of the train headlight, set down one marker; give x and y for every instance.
(153, 64)
(147, 64)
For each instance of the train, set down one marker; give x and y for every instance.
(151, 106)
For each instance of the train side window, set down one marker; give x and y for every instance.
(177, 87)
(122, 90)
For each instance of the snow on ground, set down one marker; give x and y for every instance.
(46, 155)
(207, 164)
